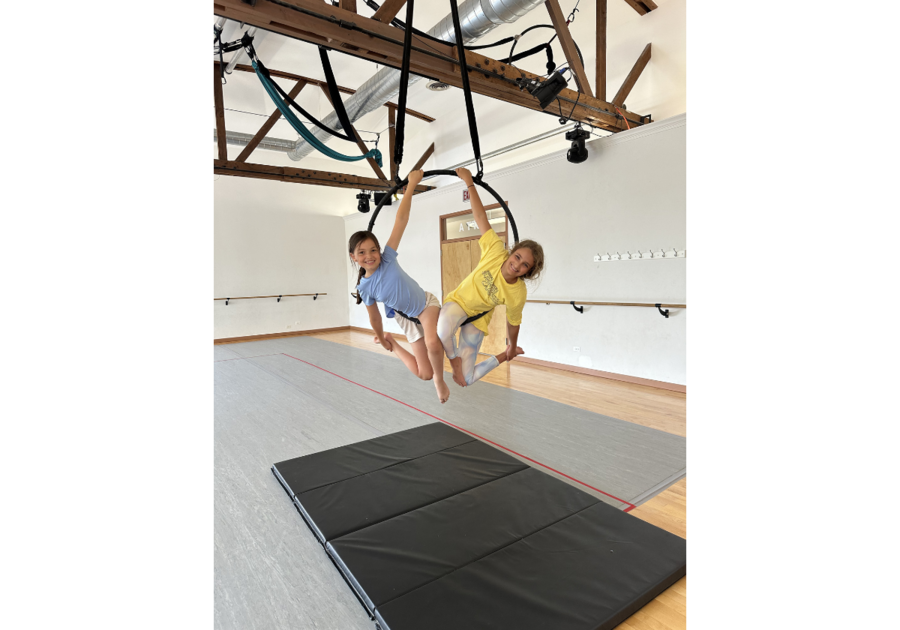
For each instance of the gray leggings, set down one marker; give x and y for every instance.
(451, 318)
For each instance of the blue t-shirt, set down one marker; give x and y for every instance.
(390, 285)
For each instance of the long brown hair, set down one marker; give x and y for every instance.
(537, 252)
(355, 240)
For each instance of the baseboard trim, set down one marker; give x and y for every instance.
(294, 333)
(673, 387)
(369, 331)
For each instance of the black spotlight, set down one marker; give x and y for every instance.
(380, 196)
(578, 153)
(545, 92)
(363, 197)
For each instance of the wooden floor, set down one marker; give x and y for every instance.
(657, 408)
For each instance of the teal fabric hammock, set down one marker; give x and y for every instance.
(300, 128)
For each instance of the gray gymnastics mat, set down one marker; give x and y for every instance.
(619, 462)
(270, 573)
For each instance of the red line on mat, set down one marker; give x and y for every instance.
(630, 507)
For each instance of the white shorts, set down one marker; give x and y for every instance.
(412, 330)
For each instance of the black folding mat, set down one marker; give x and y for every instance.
(435, 529)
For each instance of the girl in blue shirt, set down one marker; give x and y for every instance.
(382, 280)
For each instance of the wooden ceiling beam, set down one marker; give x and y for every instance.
(267, 126)
(220, 113)
(303, 176)
(632, 77)
(348, 5)
(317, 23)
(345, 90)
(568, 46)
(362, 145)
(423, 159)
(388, 11)
(642, 6)
(600, 81)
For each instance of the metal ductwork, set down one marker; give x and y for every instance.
(476, 18)
(243, 139)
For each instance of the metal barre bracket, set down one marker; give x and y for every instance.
(664, 313)
(279, 298)
(316, 296)
(226, 301)
(580, 309)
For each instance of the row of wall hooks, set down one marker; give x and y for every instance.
(638, 255)
(659, 305)
(314, 296)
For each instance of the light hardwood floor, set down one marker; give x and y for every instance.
(648, 406)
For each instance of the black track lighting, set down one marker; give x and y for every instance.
(380, 196)
(578, 153)
(547, 91)
(363, 204)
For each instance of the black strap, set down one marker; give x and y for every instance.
(467, 91)
(416, 321)
(251, 52)
(400, 124)
(335, 94)
(474, 317)
(405, 316)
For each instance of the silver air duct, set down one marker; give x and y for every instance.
(476, 18)
(243, 139)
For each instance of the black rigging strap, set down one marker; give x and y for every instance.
(400, 123)
(335, 94)
(247, 42)
(467, 91)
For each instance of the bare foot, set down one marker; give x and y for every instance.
(458, 377)
(443, 391)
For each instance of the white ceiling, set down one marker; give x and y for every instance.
(659, 92)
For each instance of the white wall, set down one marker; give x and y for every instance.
(268, 243)
(629, 195)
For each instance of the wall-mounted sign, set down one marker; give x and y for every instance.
(466, 194)
(465, 226)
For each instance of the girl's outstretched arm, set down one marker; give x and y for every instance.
(403, 213)
(477, 207)
(512, 334)
(375, 320)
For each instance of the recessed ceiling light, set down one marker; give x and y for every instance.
(437, 86)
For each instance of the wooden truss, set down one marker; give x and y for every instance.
(339, 27)
(241, 168)
(320, 23)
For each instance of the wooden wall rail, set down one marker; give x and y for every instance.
(258, 297)
(569, 302)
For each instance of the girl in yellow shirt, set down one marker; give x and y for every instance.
(498, 279)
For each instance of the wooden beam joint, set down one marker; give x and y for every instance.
(568, 46)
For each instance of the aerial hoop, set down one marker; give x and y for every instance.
(398, 186)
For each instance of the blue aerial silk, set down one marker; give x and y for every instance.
(305, 133)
